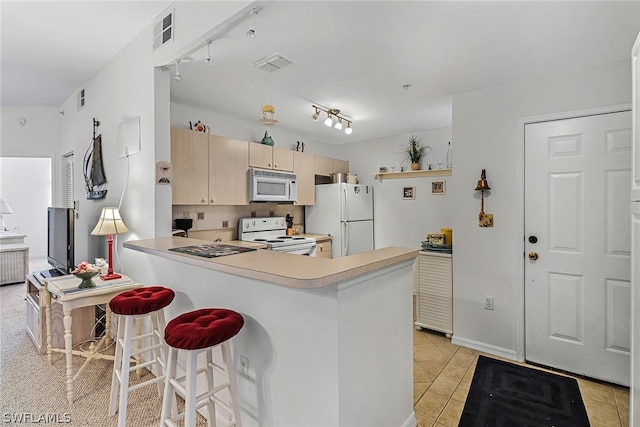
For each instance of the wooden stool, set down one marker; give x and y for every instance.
(201, 331)
(137, 304)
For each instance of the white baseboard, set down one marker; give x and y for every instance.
(412, 421)
(485, 348)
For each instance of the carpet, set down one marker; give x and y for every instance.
(505, 394)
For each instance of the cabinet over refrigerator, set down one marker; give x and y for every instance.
(344, 211)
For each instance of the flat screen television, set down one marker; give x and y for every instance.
(60, 239)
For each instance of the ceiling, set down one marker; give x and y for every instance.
(354, 56)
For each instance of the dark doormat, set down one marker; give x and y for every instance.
(504, 394)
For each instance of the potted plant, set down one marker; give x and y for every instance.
(415, 152)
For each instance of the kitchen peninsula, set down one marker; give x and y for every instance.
(328, 341)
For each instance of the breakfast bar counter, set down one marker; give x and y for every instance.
(277, 267)
(326, 342)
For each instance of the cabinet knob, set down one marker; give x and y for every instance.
(269, 164)
(203, 201)
(212, 201)
(275, 166)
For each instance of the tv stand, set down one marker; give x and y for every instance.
(83, 317)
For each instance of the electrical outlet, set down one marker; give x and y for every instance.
(200, 215)
(488, 303)
(253, 214)
(185, 214)
(225, 224)
(244, 366)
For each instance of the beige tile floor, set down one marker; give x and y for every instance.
(442, 374)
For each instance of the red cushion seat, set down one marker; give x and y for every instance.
(142, 300)
(202, 328)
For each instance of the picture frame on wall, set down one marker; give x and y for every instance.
(409, 193)
(438, 187)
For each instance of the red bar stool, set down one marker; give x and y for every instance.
(137, 304)
(196, 332)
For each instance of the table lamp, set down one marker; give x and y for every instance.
(110, 223)
(4, 209)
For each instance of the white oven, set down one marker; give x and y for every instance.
(271, 186)
(272, 233)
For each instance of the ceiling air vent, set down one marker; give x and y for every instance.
(272, 63)
(163, 30)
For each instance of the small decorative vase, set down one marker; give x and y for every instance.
(267, 140)
(86, 279)
(415, 166)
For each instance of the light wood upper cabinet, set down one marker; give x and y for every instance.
(190, 164)
(323, 165)
(340, 166)
(327, 165)
(303, 167)
(268, 157)
(283, 159)
(228, 171)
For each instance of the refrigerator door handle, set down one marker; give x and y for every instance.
(345, 238)
(345, 211)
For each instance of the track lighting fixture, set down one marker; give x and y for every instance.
(252, 32)
(178, 77)
(331, 113)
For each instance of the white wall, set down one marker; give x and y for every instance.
(25, 184)
(120, 91)
(29, 196)
(488, 260)
(400, 222)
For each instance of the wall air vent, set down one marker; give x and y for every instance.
(81, 99)
(272, 63)
(163, 29)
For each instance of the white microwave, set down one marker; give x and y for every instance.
(272, 186)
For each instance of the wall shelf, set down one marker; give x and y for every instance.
(413, 174)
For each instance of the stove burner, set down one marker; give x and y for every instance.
(284, 237)
(299, 238)
(259, 240)
(275, 241)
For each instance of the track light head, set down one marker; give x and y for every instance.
(178, 76)
(251, 33)
(315, 115)
(329, 120)
(208, 58)
(348, 130)
(339, 124)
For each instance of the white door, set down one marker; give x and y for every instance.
(577, 291)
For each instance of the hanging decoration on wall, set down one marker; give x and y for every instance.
(94, 177)
(484, 219)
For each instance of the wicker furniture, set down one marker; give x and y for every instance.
(14, 258)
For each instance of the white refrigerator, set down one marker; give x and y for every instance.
(345, 212)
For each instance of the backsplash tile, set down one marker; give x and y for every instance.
(215, 215)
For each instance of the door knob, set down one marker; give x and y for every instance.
(533, 256)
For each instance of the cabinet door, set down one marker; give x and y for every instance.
(228, 171)
(340, 166)
(283, 159)
(303, 164)
(190, 164)
(323, 250)
(260, 156)
(323, 165)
